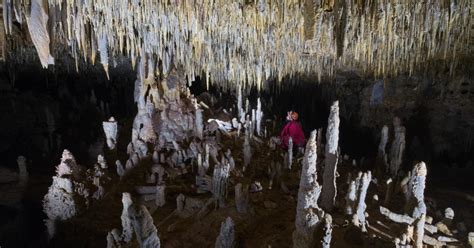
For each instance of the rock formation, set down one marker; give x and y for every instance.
(329, 189)
(226, 238)
(110, 129)
(308, 213)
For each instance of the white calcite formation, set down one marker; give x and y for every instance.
(351, 198)
(219, 183)
(259, 117)
(210, 34)
(329, 190)
(226, 238)
(145, 230)
(383, 146)
(290, 153)
(416, 201)
(37, 21)
(308, 213)
(110, 129)
(359, 217)
(61, 201)
(397, 148)
(327, 231)
(127, 229)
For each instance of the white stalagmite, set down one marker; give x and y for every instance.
(329, 190)
(359, 217)
(416, 200)
(247, 152)
(259, 117)
(199, 125)
(110, 130)
(127, 229)
(145, 230)
(239, 104)
(327, 235)
(160, 199)
(290, 153)
(351, 198)
(226, 238)
(59, 203)
(383, 140)
(219, 183)
(398, 147)
(308, 213)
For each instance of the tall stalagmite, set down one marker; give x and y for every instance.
(308, 213)
(329, 191)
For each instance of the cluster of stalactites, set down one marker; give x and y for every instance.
(237, 42)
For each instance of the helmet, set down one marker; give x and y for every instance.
(294, 116)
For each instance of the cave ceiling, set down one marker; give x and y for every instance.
(245, 42)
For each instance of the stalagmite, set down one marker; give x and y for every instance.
(160, 199)
(308, 213)
(388, 191)
(351, 198)
(239, 104)
(110, 130)
(290, 153)
(326, 241)
(259, 117)
(145, 230)
(247, 153)
(226, 238)
(416, 200)
(60, 201)
(329, 190)
(397, 148)
(219, 183)
(241, 198)
(120, 169)
(359, 217)
(199, 123)
(127, 229)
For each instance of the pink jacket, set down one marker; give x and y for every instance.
(294, 130)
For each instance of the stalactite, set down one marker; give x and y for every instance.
(329, 190)
(308, 213)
